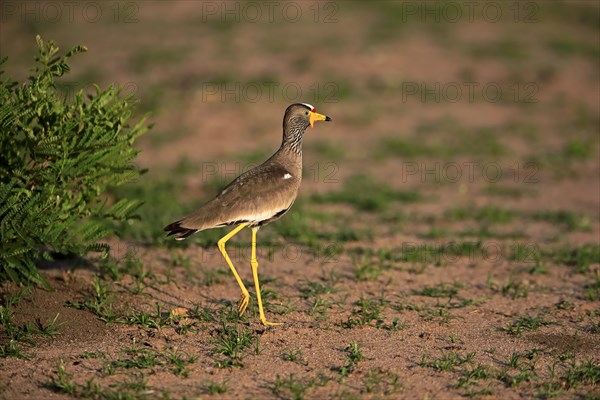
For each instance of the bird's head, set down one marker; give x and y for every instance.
(302, 115)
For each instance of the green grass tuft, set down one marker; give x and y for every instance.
(231, 343)
(579, 257)
(527, 323)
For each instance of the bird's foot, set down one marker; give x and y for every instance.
(267, 323)
(243, 304)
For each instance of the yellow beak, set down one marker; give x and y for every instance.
(314, 116)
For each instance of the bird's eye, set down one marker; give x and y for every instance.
(306, 113)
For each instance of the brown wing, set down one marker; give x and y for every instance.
(254, 196)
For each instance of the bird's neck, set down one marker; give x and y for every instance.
(290, 156)
(292, 140)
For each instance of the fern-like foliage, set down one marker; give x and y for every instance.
(58, 159)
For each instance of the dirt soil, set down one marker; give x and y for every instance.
(396, 311)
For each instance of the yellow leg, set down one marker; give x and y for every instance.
(254, 264)
(243, 304)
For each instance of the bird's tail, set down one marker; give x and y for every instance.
(179, 231)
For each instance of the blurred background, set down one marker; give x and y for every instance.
(466, 104)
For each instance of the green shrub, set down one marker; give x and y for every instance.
(58, 159)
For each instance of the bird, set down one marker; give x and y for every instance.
(256, 198)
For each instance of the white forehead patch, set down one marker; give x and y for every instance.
(309, 106)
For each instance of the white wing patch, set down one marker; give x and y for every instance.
(287, 176)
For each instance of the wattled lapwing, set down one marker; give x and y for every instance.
(257, 197)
